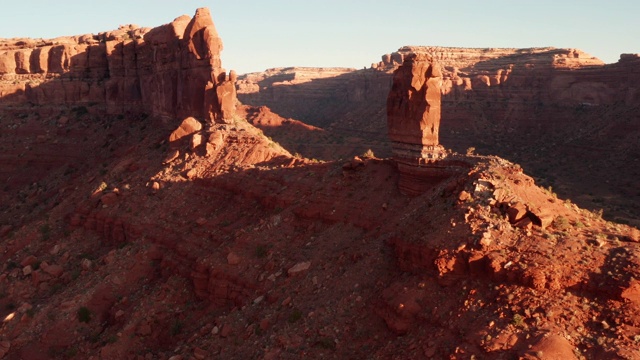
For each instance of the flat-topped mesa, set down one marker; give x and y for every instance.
(413, 111)
(488, 58)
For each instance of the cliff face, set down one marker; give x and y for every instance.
(552, 110)
(70, 103)
(413, 105)
(173, 70)
(413, 119)
(535, 76)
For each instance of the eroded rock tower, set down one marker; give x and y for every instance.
(413, 120)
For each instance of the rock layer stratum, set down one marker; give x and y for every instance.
(173, 70)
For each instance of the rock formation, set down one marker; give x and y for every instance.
(413, 111)
(413, 120)
(218, 243)
(173, 70)
(551, 110)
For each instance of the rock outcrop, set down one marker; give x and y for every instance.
(413, 119)
(551, 110)
(413, 110)
(173, 70)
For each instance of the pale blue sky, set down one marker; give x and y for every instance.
(260, 34)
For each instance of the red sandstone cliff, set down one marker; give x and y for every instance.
(211, 241)
(552, 110)
(173, 70)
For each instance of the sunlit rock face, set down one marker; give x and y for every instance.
(413, 104)
(413, 120)
(173, 70)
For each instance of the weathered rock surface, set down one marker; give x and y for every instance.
(173, 70)
(413, 109)
(188, 126)
(413, 119)
(148, 273)
(51, 90)
(551, 110)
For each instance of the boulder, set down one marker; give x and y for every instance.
(516, 212)
(550, 347)
(188, 126)
(299, 268)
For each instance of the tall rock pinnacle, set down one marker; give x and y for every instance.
(413, 120)
(413, 110)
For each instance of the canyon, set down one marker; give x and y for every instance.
(160, 207)
(560, 113)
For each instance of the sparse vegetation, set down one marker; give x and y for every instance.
(295, 316)
(84, 315)
(368, 154)
(261, 251)
(550, 192)
(518, 320)
(176, 328)
(45, 231)
(327, 343)
(80, 110)
(102, 187)
(561, 223)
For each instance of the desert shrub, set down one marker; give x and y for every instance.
(80, 110)
(84, 314)
(295, 316)
(176, 328)
(102, 187)
(261, 251)
(327, 343)
(517, 320)
(45, 231)
(598, 213)
(561, 223)
(368, 154)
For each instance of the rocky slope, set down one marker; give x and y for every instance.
(245, 252)
(551, 110)
(53, 93)
(187, 238)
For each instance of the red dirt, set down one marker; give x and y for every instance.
(208, 263)
(121, 244)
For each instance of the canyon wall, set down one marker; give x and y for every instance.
(69, 105)
(571, 120)
(173, 70)
(519, 79)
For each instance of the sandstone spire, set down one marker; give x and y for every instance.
(413, 120)
(413, 110)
